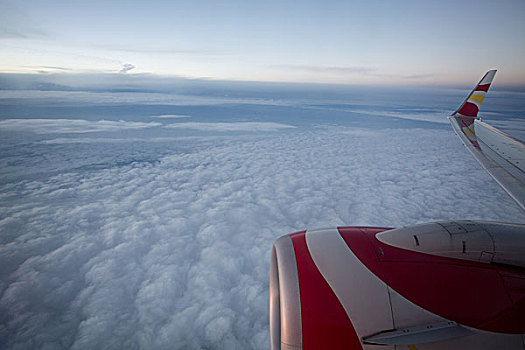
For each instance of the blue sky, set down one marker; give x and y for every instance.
(347, 42)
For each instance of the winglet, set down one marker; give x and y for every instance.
(470, 107)
(501, 155)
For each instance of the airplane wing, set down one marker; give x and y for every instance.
(500, 154)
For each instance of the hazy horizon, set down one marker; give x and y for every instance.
(147, 82)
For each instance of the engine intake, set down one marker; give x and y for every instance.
(285, 304)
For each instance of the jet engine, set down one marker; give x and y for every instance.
(451, 285)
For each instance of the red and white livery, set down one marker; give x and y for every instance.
(445, 285)
(500, 154)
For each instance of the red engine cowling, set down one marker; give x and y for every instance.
(453, 285)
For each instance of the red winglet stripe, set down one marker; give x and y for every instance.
(325, 324)
(469, 109)
(484, 87)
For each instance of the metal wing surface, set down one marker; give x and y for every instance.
(500, 154)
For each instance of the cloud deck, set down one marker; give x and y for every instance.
(175, 253)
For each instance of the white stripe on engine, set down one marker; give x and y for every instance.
(363, 296)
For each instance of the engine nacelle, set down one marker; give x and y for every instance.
(453, 284)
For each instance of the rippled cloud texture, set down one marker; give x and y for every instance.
(174, 252)
(241, 126)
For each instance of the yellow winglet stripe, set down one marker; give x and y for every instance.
(477, 98)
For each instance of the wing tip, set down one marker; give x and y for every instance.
(488, 77)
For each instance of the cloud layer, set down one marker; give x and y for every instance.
(175, 253)
(238, 126)
(70, 126)
(171, 116)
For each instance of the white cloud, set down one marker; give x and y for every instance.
(238, 126)
(75, 98)
(176, 253)
(66, 126)
(171, 116)
(65, 140)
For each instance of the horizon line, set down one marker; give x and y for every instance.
(82, 86)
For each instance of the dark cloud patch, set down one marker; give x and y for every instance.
(57, 68)
(126, 67)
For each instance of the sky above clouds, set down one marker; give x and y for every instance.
(350, 42)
